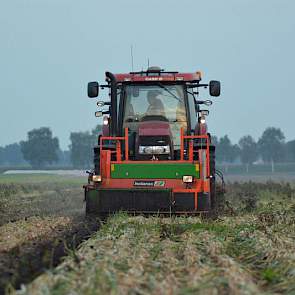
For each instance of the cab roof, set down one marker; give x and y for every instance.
(156, 74)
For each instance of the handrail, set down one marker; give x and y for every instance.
(118, 144)
(183, 137)
(191, 147)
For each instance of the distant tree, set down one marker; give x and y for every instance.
(248, 150)
(234, 153)
(95, 133)
(13, 155)
(224, 148)
(227, 152)
(2, 157)
(290, 150)
(81, 149)
(214, 140)
(64, 158)
(67, 157)
(40, 148)
(271, 145)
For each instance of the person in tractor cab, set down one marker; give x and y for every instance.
(156, 107)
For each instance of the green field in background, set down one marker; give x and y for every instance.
(41, 178)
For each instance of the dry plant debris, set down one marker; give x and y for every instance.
(250, 249)
(251, 253)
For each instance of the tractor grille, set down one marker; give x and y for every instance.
(154, 140)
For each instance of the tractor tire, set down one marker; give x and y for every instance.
(96, 160)
(89, 211)
(213, 195)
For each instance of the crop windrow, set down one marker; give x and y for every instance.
(248, 250)
(246, 254)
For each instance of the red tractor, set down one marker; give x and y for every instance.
(154, 154)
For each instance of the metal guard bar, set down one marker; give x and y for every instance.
(118, 144)
(191, 148)
(182, 139)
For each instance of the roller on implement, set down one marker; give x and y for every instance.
(155, 154)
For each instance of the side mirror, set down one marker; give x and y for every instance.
(214, 88)
(93, 89)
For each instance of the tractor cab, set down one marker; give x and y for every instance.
(155, 106)
(154, 136)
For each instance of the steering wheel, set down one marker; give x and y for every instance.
(154, 118)
(131, 119)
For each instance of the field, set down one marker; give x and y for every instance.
(249, 249)
(41, 217)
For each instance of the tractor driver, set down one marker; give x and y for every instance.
(156, 107)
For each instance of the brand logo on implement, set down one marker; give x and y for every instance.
(159, 183)
(149, 183)
(143, 183)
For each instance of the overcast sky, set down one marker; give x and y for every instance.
(50, 49)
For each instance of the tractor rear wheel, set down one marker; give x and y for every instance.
(96, 160)
(213, 196)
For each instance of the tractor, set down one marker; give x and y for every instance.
(154, 154)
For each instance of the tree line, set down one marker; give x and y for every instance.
(41, 149)
(270, 148)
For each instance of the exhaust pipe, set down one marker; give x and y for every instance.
(113, 113)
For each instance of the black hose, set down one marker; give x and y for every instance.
(220, 175)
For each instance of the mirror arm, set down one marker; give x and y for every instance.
(197, 85)
(104, 86)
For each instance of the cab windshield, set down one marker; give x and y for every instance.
(163, 102)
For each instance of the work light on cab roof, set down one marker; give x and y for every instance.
(154, 153)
